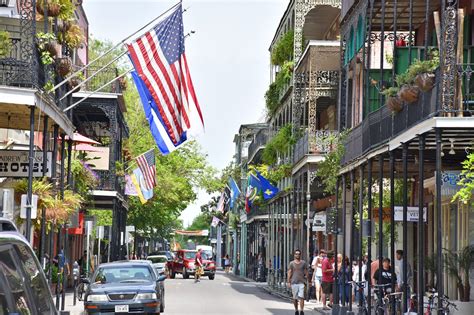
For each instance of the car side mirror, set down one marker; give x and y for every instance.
(161, 278)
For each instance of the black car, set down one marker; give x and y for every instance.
(125, 287)
(23, 286)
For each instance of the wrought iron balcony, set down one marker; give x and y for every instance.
(101, 78)
(318, 143)
(258, 143)
(110, 181)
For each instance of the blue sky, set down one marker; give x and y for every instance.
(228, 58)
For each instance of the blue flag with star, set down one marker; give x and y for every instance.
(269, 191)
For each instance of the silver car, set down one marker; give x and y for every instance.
(160, 263)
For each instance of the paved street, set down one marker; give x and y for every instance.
(224, 295)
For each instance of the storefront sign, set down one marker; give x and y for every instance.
(319, 222)
(412, 214)
(16, 164)
(449, 183)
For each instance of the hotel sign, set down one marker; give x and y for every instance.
(16, 164)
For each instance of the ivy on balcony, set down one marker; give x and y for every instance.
(5, 44)
(279, 144)
(328, 170)
(282, 56)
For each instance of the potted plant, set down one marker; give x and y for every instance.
(392, 100)
(422, 73)
(48, 47)
(53, 7)
(73, 37)
(458, 265)
(64, 66)
(75, 81)
(408, 92)
(5, 44)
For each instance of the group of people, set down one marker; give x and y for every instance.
(320, 278)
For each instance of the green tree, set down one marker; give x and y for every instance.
(467, 181)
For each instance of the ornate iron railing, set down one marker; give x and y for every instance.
(258, 143)
(320, 142)
(100, 79)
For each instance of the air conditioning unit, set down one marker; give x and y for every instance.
(7, 203)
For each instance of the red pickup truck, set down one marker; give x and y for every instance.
(183, 263)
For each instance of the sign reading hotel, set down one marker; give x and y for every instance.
(16, 164)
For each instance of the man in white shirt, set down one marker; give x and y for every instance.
(399, 271)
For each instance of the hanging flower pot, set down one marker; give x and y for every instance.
(64, 26)
(40, 7)
(409, 93)
(394, 103)
(54, 9)
(64, 66)
(122, 83)
(425, 81)
(53, 48)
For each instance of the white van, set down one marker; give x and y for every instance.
(207, 250)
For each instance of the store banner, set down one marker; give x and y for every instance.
(15, 163)
(412, 214)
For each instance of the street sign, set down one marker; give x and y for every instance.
(100, 232)
(412, 214)
(319, 222)
(34, 206)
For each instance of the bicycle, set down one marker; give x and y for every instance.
(432, 305)
(81, 288)
(363, 309)
(385, 298)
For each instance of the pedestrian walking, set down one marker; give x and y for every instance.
(198, 264)
(386, 277)
(227, 263)
(327, 280)
(317, 264)
(297, 277)
(343, 279)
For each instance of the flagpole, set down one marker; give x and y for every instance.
(113, 48)
(97, 90)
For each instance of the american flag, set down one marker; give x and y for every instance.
(146, 163)
(160, 60)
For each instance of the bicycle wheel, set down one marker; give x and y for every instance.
(80, 291)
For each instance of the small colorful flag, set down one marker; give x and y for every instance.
(139, 181)
(146, 163)
(253, 185)
(269, 191)
(234, 192)
(223, 203)
(215, 221)
(130, 189)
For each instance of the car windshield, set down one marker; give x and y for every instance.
(206, 254)
(123, 274)
(189, 255)
(157, 260)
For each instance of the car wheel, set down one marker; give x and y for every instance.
(211, 277)
(162, 304)
(185, 274)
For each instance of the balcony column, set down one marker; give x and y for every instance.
(361, 229)
(392, 219)
(369, 232)
(31, 156)
(439, 233)
(421, 223)
(405, 226)
(344, 236)
(53, 180)
(43, 211)
(353, 238)
(380, 243)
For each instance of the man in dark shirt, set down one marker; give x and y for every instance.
(387, 275)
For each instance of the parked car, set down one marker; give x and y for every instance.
(160, 263)
(184, 264)
(125, 287)
(7, 225)
(23, 285)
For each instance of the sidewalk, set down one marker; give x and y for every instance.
(77, 309)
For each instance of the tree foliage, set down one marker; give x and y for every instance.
(467, 181)
(283, 50)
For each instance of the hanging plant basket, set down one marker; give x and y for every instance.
(409, 93)
(394, 103)
(64, 26)
(64, 66)
(40, 7)
(54, 9)
(53, 48)
(123, 83)
(425, 81)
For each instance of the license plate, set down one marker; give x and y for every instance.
(121, 308)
